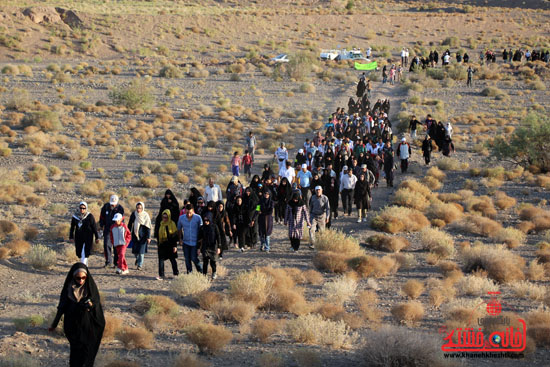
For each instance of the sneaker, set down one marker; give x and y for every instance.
(292, 249)
(139, 268)
(220, 258)
(159, 278)
(242, 249)
(124, 272)
(214, 276)
(359, 220)
(267, 251)
(106, 265)
(312, 247)
(365, 220)
(118, 271)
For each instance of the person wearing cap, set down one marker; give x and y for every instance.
(281, 154)
(212, 192)
(289, 173)
(347, 184)
(404, 151)
(300, 159)
(209, 244)
(319, 212)
(108, 211)
(188, 229)
(82, 232)
(120, 237)
(304, 178)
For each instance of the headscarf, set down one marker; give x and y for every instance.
(142, 219)
(81, 216)
(167, 228)
(295, 205)
(78, 291)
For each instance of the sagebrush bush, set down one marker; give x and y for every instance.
(510, 236)
(538, 325)
(18, 247)
(408, 313)
(332, 262)
(477, 224)
(447, 212)
(251, 286)
(437, 242)
(188, 360)
(367, 302)
(448, 164)
(209, 338)
(263, 329)
(378, 267)
(472, 285)
(538, 216)
(410, 199)
(500, 264)
(481, 205)
(135, 95)
(337, 241)
(526, 289)
(388, 243)
(396, 346)
(233, 311)
(135, 337)
(207, 299)
(314, 329)
(415, 186)
(340, 289)
(503, 201)
(190, 284)
(413, 288)
(396, 219)
(41, 257)
(113, 325)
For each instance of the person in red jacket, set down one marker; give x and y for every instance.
(120, 239)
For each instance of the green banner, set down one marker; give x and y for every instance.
(370, 66)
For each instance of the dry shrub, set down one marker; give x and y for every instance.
(263, 329)
(437, 242)
(472, 285)
(378, 267)
(386, 243)
(413, 288)
(432, 183)
(156, 304)
(4, 253)
(207, 299)
(510, 236)
(135, 337)
(8, 228)
(436, 173)
(338, 242)
(41, 257)
(447, 212)
(209, 338)
(340, 289)
(408, 313)
(410, 199)
(331, 261)
(313, 277)
(523, 289)
(251, 286)
(314, 329)
(538, 216)
(415, 186)
(396, 219)
(526, 226)
(481, 205)
(535, 271)
(330, 310)
(307, 358)
(448, 164)
(234, 311)
(477, 224)
(463, 312)
(189, 284)
(366, 302)
(30, 233)
(449, 197)
(270, 360)
(396, 346)
(499, 263)
(538, 325)
(112, 326)
(503, 201)
(188, 360)
(18, 247)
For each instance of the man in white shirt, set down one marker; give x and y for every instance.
(403, 56)
(282, 156)
(212, 192)
(347, 184)
(288, 172)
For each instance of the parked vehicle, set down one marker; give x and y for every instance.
(354, 54)
(280, 58)
(329, 54)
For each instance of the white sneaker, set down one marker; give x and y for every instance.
(359, 220)
(214, 276)
(124, 272)
(118, 271)
(365, 220)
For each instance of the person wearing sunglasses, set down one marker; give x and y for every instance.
(82, 232)
(84, 322)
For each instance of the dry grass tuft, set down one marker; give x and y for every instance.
(510, 236)
(209, 338)
(135, 337)
(113, 326)
(263, 329)
(253, 286)
(386, 243)
(481, 205)
(437, 242)
(410, 199)
(207, 299)
(396, 219)
(234, 311)
(538, 216)
(538, 326)
(408, 313)
(340, 289)
(331, 261)
(378, 267)
(472, 285)
(338, 242)
(499, 263)
(18, 247)
(366, 302)
(313, 277)
(413, 288)
(188, 360)
(503, 201)
(526, 289)
(190, 284)
(535, 271)
(447, 212)
(477, 224)
(41, 257)
(314, 329)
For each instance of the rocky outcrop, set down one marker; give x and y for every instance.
(50, 15)
(70, 18)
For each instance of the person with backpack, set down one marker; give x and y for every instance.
(404, 151)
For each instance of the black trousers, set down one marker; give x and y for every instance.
(240, 234)
(427, 158)
(295, 243)
(174, 267)
(389, 177)
(82, 354)
(251, 235)
(205, 261)
(404, 165)
(347, 195)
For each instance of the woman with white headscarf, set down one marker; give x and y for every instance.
(82, 232)
(140, 225)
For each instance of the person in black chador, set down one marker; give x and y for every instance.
(84, 322)
(169, 201)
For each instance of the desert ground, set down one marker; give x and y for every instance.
(134, 97)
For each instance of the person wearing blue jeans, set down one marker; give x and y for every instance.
(188, 229)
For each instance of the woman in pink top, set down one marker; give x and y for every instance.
(235, 164)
